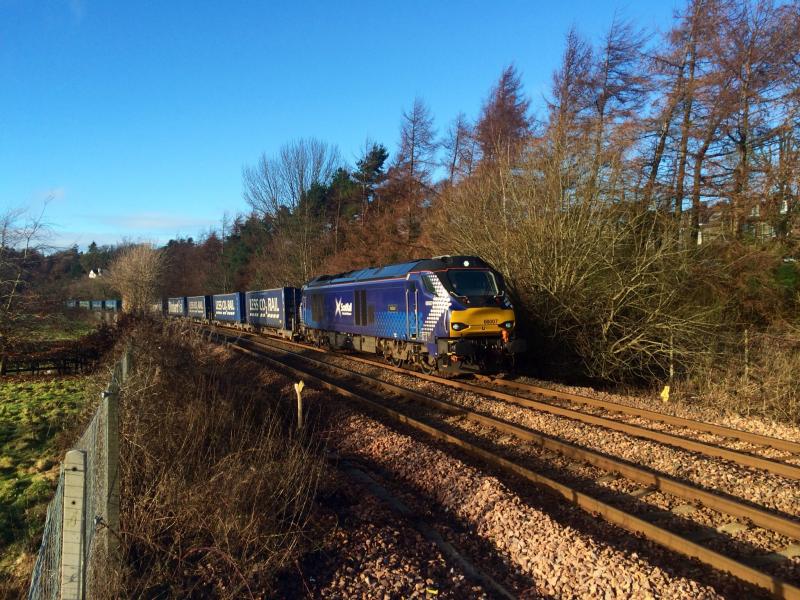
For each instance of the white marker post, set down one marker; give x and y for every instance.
(298, 389)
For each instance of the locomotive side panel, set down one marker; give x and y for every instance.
(372, 308)
(393, 316)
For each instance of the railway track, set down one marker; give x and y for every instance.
(351, 384)
(553, 402)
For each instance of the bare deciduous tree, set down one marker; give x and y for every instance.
(137, 274)
(282, 180)
(280, 189)
(609, 282)
(22, 239)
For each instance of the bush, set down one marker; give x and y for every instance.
(611, 287)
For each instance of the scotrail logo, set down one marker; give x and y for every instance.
(343, 309)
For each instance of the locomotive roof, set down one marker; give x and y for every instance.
(400, 269)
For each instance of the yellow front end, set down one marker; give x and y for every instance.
(481, 321)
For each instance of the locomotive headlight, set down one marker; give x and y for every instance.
(458, 326)
(507, 325)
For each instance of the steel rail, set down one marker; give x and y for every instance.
(713, 500)
(627, 521)
(699, 426)
(741, 458)
(703, 426)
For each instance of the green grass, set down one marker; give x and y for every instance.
(32, 414)
(61, 326)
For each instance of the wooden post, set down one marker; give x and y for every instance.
(671, 357)
(126, 363)
(298, 389)
(72, 566)
(746, 354)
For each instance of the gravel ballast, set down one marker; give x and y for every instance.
(560, 560)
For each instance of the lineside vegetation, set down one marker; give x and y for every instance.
(216, 485)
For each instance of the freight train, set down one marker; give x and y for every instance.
(96, 305)
(443, 314)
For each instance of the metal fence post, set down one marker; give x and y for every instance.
(72, 551)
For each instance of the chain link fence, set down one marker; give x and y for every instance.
(46, 578)
(78, 537)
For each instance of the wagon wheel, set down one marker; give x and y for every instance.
(397, 362)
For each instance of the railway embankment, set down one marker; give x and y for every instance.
(222, 496)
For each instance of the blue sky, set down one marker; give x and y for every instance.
(137, 117)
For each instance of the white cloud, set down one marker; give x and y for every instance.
(156, 221)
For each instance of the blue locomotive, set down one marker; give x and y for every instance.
(448, 313)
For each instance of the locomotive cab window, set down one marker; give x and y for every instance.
(427, 283)
(468, 282)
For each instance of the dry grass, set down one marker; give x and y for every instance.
(216, 488)
(766, 384)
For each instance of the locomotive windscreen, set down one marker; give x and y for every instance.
(472, 282)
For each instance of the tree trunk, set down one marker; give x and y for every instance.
(688, 97)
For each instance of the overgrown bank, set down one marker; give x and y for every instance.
(216, 486)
